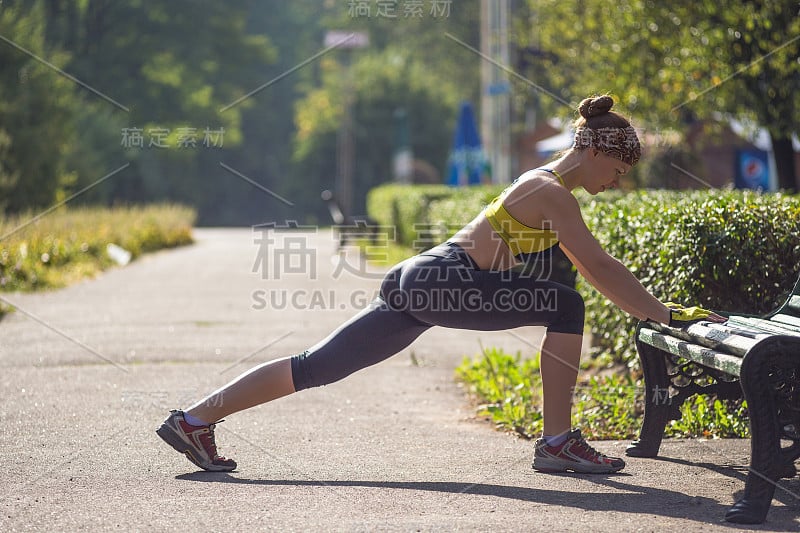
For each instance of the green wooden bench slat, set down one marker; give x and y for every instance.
(787, 319)
(719, 337)
(735, 329)
(764, 325)
(724, 339)
(730, 364)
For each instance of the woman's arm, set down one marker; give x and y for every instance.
(603, 271)
(619, 285)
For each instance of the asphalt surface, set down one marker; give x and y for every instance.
(90, 371)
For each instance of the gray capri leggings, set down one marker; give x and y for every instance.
(440, 287)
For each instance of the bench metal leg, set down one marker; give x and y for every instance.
(658, 408)
(766, 459)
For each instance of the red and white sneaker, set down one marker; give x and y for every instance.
(575, 455)
(195, 442)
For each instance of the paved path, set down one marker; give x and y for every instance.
(393, 448)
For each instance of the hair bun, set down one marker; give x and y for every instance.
(597, 105)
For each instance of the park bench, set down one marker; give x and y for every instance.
(347, 228)
(755, 357)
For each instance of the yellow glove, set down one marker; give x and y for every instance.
(681, 317)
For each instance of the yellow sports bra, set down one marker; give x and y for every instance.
(521, 239)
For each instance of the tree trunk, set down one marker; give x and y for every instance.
(784, 162)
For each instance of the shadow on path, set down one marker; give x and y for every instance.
(635, 499)
(786, 490)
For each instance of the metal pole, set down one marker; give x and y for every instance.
(347, 41)
(345, 146)
(495, 88)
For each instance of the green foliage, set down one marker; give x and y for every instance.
(734, 251)
(705, 416)
(658, 56)
(424, 215)
(36, 105)
(67, 245)
(409, 64)
(405, 208)
(668, 63)
(186, 65)
(725, 250)
(507, 389)
(609, 407)
(139, 66)
(380, 84)
(422, 37)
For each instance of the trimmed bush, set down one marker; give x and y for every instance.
(405, 208)
(734, 251)
(425, 215)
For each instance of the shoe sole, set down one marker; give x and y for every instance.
(553, 467)
(171, 437)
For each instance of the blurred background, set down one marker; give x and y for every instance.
(248, 110)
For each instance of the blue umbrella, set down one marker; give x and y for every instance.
(468, 164)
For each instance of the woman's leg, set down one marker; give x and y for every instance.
(445, 290)
(373, 335)
(261, 384)
(438, 292)
(561, 353)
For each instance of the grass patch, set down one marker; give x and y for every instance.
(71, 244)
(507, 391)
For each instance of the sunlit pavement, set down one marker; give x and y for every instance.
(89, 372)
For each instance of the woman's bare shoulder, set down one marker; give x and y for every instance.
(535, 186)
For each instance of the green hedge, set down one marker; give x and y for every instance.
(735, 251)
(424, 215)
(404, 208)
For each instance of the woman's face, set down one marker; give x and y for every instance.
(605, 171)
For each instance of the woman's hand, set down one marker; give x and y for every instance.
(681, 317)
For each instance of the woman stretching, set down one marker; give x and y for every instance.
(468, 283)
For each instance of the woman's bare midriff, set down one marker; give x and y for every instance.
(485, 247)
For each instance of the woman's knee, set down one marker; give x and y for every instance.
(570, 311)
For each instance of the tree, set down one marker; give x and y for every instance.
(36, 106)
(382, 83)
(766, 52)
(174, 67)
(410, 63)
(669, 63)
(170, 65)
